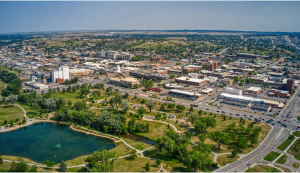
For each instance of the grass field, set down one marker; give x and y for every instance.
(156, 129)
(296, 133)
(73, 97)
(225, 159)
(7, 112)
(286, 143)
(271, 156)
(296, 165)
(31, 113)
(137, 165)
(262, 168)
(295, 149)
(282, 159)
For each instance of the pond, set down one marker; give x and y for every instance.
(138, 138)
(51, 141)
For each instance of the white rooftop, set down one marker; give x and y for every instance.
(185, 92)
(241, 97)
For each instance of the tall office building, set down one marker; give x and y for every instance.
(290, 85)
(62, 73)
(211, 65)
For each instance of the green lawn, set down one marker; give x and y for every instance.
(262, 168)
(137, 165)
(271, 156)
(286, 143)
(74, 97)
(7, 112)
(156, 129)
(282, 159)
(295, 149)
(296, 133)
(31, 113)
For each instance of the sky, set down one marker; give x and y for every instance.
(142, 15)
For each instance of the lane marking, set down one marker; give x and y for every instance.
(257, 154)
(279, 133)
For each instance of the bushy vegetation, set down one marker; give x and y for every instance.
(14, 83)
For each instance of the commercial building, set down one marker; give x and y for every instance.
(241, 99)
(279, 93)
(191, 81)
(254, 90)
(290, 85)
(211, 65)
(233, 91)
(274, 104)
(62, 73)
(79, 72)
(120, 81)
(207, 91)
(173, 86)
(158, 90)
(36, 85)
(227, 81)
(246, 56)
(184, 94)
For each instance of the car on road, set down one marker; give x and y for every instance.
(273, 123)
(230, 114)
(207, 109)
(249, 118)
(284, 120)
(248, 164)
(278, 121)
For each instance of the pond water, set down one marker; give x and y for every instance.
(51, 141)
(138, 138)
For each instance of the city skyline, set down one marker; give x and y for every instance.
(73, 16)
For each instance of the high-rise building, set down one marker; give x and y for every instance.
(211, 65)
(290, 85)
(61, 73)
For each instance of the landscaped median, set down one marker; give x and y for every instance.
(271, 156)
(286, 143)
(282, 159)
(226, 159)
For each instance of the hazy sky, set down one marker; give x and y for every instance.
(242, 16)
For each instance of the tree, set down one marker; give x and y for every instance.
(162, 107)
(117, 100)
(36, 107)
(150, 104)
(180, 108)
(64, 90)
(234, 153)
(124, 105)
(158, 162)
(1, 160)
(62, 166)
(133, 155)
(171, 105)
(220, 138)
(101, 161)
(69, 103)
(202, 137)
(84, 91)
(191, 109)
(147, 166)
(21, 166)
(141, 111)
(69, 89)
(99, 86)
(50, 103)
(126, 95)
(74, 89)
(195, 160)
(241, 142)
(49, 164)
(12, 99)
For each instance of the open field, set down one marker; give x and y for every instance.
(296, 133)
(283, 168)
(156, 129)
(73, 97)
(7, 112)
(154, 45)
